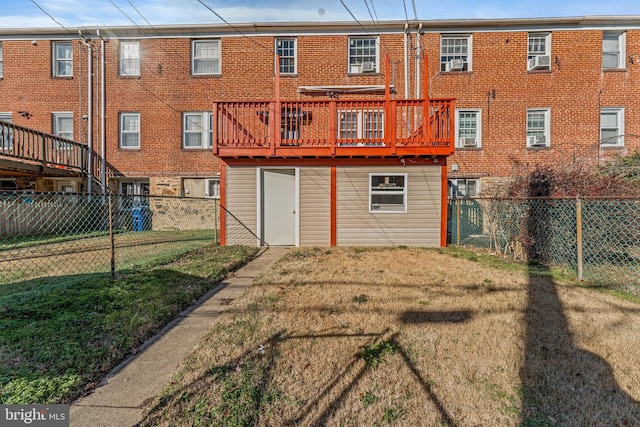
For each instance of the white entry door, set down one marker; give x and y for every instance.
(279, 207)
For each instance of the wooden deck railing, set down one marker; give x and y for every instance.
(28, 145)
(333, 128)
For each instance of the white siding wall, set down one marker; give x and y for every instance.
(241, 202)
(315, 206)
(419, 226)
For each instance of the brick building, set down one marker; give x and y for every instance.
(527, 91)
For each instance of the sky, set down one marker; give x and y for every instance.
(90, 13)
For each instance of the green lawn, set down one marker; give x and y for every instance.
(60, 335)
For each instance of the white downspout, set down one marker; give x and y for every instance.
(89, 111)
(103, 175)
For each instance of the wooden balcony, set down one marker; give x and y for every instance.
(334, 128)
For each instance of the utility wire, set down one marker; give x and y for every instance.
(233, 26)
(52, 18)
(129, 18)
(142, 16)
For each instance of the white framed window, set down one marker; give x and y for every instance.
(361, 124)
(468, 128)
(6, 133)
(62, 59)
(1, 61)
(286, 48)
(63, 125)
(196, 129)
(205, 57)
(538, 134)
(130, 130)
(463, 188)
(130, 58)
(364, 55)
(388, 193)
(133, 190)
(455, 52)
(611, 126)
(539, 51)
(212, 188)
(613, 49)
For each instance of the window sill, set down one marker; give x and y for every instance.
(539, 71)
(129, 150)
(612, 147)
(478, 148)
(206, 76)
(455, 73)
(541, 148)
(363, 74)
(128, 77)
(62, 77)
(288, 75)
(197, 149)
(615, 70)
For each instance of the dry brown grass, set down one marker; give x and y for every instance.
(471, 345)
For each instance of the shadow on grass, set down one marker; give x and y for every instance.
(562, 384)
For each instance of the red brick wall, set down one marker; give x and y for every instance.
(574, 90)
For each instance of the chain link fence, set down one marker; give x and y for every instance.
(54, 234)
(597, 238)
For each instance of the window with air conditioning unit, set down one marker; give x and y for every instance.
(363, 54)
(539, 51)
(538, 127)
(468, 128)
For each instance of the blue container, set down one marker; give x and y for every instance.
(140, 218)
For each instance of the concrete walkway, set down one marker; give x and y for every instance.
(120, 399)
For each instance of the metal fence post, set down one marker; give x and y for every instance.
(111, 239)
(458, 220)
(579, 236)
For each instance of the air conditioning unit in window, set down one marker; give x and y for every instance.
(355, 68)
(368, 67)
(468, 142)
(540, 61)
(537, 141)
(454, 65)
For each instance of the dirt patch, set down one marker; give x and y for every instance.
(454, 342)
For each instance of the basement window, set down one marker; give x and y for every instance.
(388, 193)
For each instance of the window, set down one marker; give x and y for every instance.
(612, 126)
(363, 124)
(463, 188)
(539, 53)
(538, 127)
(286, 48)
(468, 128)
(455, 53)
(0, 60)
(130, 130)
(129, 58)
(212, 188)
(62, 59)
(197, 130)
(363, 55)
(388, 193)
(63, 125)
(613, 49)
(135, 189)
(205, 57)
(6, 133)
